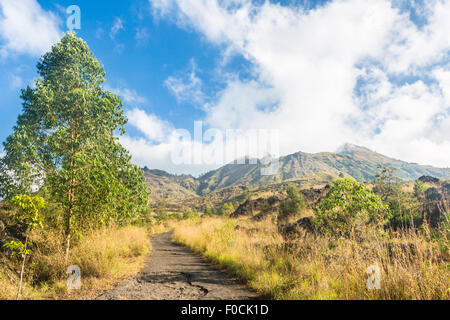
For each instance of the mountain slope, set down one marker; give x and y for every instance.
(350, 160)
(166, 186)
(357, 162)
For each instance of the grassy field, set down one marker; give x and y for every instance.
(411, 267)
(104, 256)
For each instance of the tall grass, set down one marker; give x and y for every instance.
(309, 267)
(104, 256)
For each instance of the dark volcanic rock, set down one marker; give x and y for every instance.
(295, 229)
(433, 194)
(245, 209)
(446, 188)
(429, 179)
(250, 207)
(314, 196)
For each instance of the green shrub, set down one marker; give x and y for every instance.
(404, 207)
(351, 210)
(294, 203)
(227, 209)
(190, 214)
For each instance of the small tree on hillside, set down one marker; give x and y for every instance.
(227, 209)
(419, 190)
(404, 206)
(385, 182)
(29, 216)
(350, 209)
(294, 203)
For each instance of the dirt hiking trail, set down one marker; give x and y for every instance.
(173, 272)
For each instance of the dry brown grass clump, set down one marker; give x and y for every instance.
(104, 256)
(320, 267)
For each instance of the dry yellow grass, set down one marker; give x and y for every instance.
(320, 267)
(104, 256)
(163, 227)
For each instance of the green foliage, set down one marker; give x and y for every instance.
(441, 234)
(160, 207)
(227, 209)
(266, 206)
(208, 212)
(403, 206)
(190, 214)
(419, 190)
(145, 218)
(385, 182)
(29, 210)
(18, 249)
(348, 208)
(294, 203)
(65, 142)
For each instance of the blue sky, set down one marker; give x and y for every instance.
(322, 73)
(140, 65)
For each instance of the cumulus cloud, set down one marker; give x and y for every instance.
(412, 48)
(25, 28)
(443, 77)
(347, 71)
(155, 129)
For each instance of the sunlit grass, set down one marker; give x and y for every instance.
(319, 267)
(104, 256)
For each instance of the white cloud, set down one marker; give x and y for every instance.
(159, 156)
(116, 27)
(187, 87)
(160, 144)
(412, 48)
(443, 76)
(177, 151)
(129, 96)
(155, 129)
(25, 28)
(309, 65)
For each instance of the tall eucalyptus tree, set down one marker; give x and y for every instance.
(65, 141)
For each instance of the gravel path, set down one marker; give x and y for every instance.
(173, 272)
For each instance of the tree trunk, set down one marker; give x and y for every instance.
(68, 231)
(23, 269)
(71, 191)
